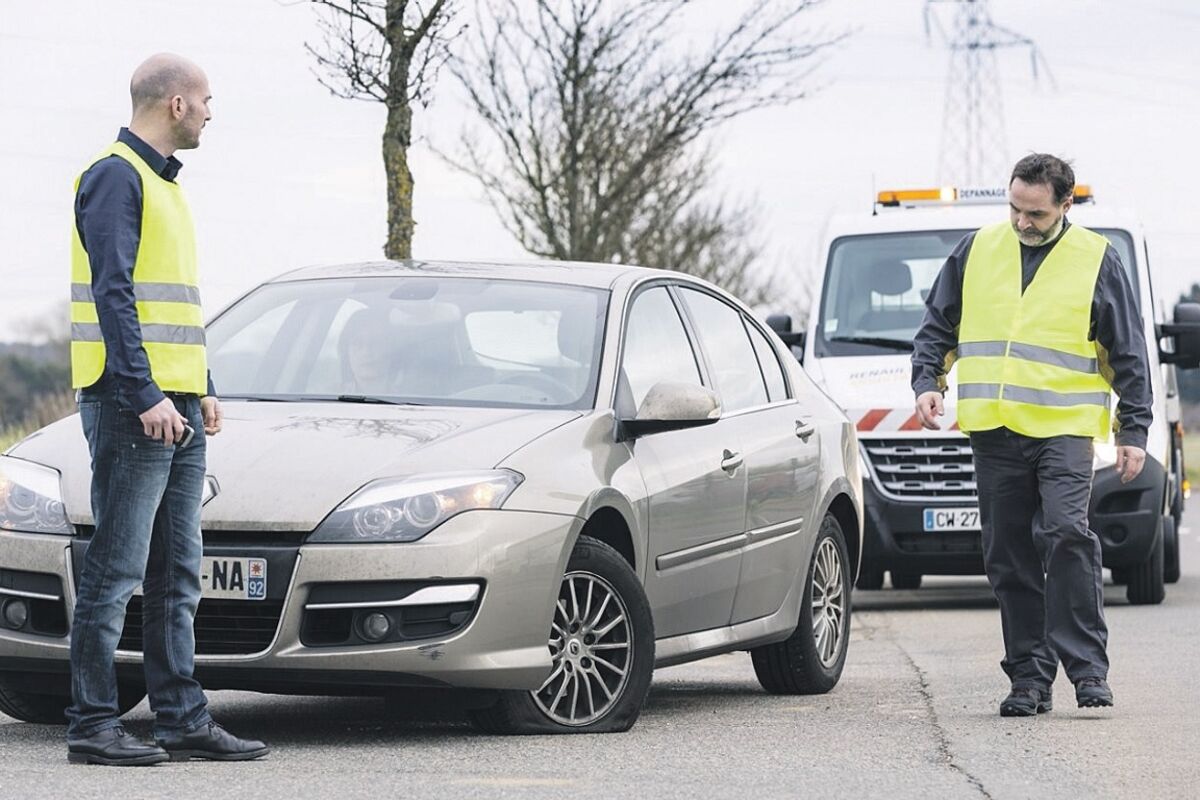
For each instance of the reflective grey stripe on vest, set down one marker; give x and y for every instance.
(1044, 397)
(145, 292)
(966, 349)
(1048, 355)
(160, 334)
(978, 391)
(1031, 352)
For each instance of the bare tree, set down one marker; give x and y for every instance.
(594, 116)
(387, 51)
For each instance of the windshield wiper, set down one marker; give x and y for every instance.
(878, 341)
(258, 398)
(363, 398)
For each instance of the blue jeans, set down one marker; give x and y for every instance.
(146, 503)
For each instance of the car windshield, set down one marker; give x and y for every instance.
(419, 340)
(876, 285)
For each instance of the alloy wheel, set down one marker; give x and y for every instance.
(591, 646)
(828, 602)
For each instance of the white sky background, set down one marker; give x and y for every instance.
(287, 175)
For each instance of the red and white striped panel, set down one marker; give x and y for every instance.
(894, 419)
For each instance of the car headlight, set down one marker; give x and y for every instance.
(1105, 455)
(31, 498)
(404, 510)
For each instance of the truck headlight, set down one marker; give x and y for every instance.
(404, 510)
(31, 498)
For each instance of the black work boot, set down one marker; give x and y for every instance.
(113, 747)
(1093, 693)
(214, 743)
(1026, 701)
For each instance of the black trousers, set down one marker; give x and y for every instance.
(1042, 560)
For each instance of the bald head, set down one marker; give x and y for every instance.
(161, 77)
(170, 102)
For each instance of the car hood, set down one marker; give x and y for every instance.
(285, 466)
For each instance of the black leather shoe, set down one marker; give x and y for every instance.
(214, 743)
(113, 747)
(1093, 693)
(1026, 701)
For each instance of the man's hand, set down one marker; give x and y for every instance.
(1130, 461)
(929, 408)
(163, 422)
(210, 409)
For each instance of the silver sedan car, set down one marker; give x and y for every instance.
(538, 480)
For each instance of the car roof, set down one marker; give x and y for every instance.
(950, 217)
(575, 273)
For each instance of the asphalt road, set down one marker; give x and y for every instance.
(914, 716)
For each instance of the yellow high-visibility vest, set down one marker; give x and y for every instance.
(165, 290)
(1024, 359)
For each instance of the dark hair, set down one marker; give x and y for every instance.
(1045, 168)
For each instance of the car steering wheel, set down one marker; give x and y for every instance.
(556, 389)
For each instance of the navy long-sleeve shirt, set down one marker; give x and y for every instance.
(1116, 325)
(108, 216)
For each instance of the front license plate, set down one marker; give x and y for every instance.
(952, 519)
(224, 578)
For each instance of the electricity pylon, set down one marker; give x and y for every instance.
(974, 142)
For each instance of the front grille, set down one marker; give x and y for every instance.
(223, 627)
(940, 542)
(923, 468)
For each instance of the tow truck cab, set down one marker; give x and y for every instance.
(921, 504)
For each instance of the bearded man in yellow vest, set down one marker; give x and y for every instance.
(1041, 320)
(146, 404)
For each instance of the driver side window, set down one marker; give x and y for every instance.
(656, 348)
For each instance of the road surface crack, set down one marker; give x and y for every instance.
(941, 737)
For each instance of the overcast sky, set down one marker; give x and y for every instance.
(288, 175)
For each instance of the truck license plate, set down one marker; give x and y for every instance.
(233, 578)
(952, 519)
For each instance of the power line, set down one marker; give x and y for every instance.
(974, 143)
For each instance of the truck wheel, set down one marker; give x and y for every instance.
(1171, 570)
(1146, 579)
(906, 580)
(810, 661)
(869, 579)
(51, 708)
(601, 644)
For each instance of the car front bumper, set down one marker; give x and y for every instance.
(517, 557)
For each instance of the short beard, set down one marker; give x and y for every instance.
(1045, 238)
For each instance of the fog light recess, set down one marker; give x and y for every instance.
(374, 627)
(15, 613)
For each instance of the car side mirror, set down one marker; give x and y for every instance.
(671, 406)
(1184, 333)
(782, 325)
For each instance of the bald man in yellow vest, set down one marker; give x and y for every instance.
(147, 405)
(1041, 319)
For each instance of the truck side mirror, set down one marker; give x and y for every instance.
(782, 325)
(1185, 335)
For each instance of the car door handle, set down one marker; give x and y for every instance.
(730, 461)
(804, 429)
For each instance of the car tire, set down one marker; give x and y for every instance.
(869, 579)
(1120, 576)
(561, 705)
(51, 708)
(906, 580)
(1171, 562)
(1145, 587)
(804, 663)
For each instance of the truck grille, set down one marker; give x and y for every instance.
(939, 469)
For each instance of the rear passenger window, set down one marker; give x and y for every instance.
(731, 356)
(769, 362)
